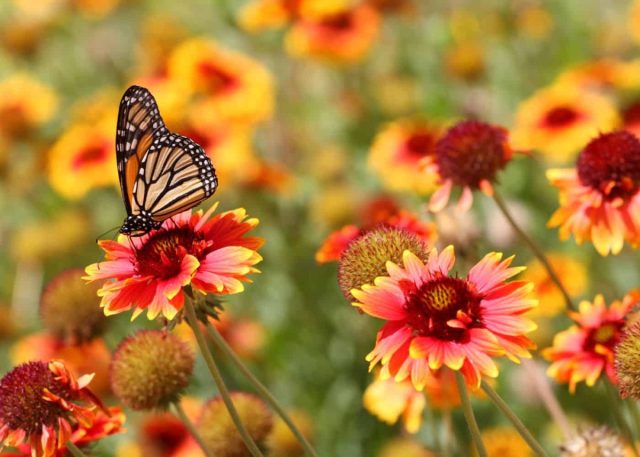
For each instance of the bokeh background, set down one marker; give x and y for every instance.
(289, 115)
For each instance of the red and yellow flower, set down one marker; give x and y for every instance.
(436, 320)
(600, 198)
(83, 155)
(561, 119)
(211, 254)
(230, 85)
(389, 401)
(469, 155)
(398, 152)
(585, 350)
(43, 406)
(341, 36)
(603, 74)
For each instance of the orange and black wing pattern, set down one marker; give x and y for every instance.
(161, 173)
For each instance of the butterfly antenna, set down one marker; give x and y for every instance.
(103, 234)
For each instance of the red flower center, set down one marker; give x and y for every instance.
(417, 146)
(439, 301)
(90, 154)
(21, 404)
(163, 435)
(161, 255)
(606, 335)
(560, 117)
(611, 164)
(217, 79)
(341, 22)
(471, 152)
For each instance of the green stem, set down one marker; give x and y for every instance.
(535, 249)
(220, 342)
(75, 450)
(217, 377)
(614, 401)
(194, 433)
(517, 423)
(470, 417)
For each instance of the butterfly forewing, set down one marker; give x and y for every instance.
(161, 173)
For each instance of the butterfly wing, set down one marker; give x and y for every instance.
(175, 175)
(139, 123)
(161, 173)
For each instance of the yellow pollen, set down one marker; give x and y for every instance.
(604, 333)
(440, 297)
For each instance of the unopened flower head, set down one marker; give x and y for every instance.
(469, 155)
(150, 369)
(148, 273)
(70, 308)
(366, 257)
(600, 198)
(219, 432)
(594, 442)
(41, 403)
(627, 362)
(434, 319)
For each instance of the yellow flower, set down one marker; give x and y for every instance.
(95, 9)
(231, 85)
(465, 60)
(82, 159)
(264, 14)
(561, 119)
(342, 37)
(25, 103)
(603, 73)
(404, 447)
(388, 400)
(535, 21)
(505, 442)
(399, 151)
(571, 272)
(281, 442)
(41, 10)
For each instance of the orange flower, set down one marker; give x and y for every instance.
(574, 279)
(389, 400)
(602, 74)
(26, 103)
(584, 351)
(436, 320)
(265, 14)
(83, 156)
(398, 152)
(561, 119)
(343, 36)
(89, 357)
(600, 198)
(149, 272)
(43, 405)
(469, 155)
(231, 85)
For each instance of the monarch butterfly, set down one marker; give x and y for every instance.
(161, 173)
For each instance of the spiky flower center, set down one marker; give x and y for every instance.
(611, 164)
(22, 405)
(560, 117)
(162, 253)
(471, 152)
(436, 303)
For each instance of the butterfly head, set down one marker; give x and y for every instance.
(139, 224)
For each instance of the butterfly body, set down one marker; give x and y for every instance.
(161, 173)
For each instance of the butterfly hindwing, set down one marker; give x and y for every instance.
(161, 173)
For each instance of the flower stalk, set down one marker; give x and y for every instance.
(535, 249)
(193, 322)
(222, 345)
(517, 423)
(476, 437)
(616, 407)
(179, 411)
(75, 450)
